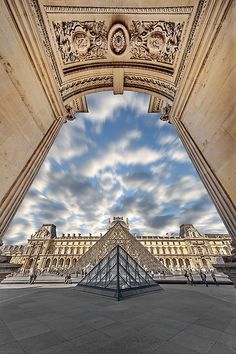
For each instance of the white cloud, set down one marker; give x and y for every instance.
(120, 153)
(179, 156)
(82, 183)
(105, 106)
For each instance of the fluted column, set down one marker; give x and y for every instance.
(219, 196)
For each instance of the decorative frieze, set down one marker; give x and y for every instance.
(78, 86)
(54, 9)
(155, 85)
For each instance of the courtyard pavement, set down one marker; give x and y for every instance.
(57, 318)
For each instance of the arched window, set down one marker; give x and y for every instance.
(61, 262)
(54, 263)
(68, 262)
(181, 263)
(174, 262)
(167, 262)
(74, 262)
(47, 264)
(187, 262)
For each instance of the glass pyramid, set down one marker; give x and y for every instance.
(118, 275)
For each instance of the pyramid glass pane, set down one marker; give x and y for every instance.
(117, 273)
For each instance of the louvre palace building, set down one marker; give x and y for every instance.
(45, 251)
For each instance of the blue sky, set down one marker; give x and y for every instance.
(116, 160)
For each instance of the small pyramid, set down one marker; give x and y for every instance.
(118, 275)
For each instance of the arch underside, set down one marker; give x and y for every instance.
(95, 48)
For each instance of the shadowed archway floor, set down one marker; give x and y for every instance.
(57, 319)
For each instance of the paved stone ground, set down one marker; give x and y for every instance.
(59, 319)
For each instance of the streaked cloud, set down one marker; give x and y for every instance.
(116, 160)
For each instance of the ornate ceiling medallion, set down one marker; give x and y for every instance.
(156, 42)
(81, 42)
(118, 39)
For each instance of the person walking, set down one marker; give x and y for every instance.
(35, 277)
(32, 274)
(191, 278)
(31, 278)
(213, 277)
(204, 279)
(187, 277)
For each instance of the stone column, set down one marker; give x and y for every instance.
(220, 198)
(22, 183)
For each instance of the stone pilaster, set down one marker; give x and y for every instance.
(220, 198)
(18, 190)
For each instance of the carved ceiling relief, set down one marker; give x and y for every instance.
(155, 40)
(81, 40)
(146, 40)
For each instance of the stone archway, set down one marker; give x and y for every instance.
(170, 52)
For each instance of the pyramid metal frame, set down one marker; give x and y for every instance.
(118, 275)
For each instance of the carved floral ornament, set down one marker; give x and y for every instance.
(155, 40)
(81, 40)
(145, 40)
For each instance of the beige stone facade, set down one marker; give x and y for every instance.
(190, 249)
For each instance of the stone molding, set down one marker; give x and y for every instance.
(86, 84)
(163, 87)
(119, 10)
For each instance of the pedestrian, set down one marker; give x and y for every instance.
(31, 279)
(213, 277)
(69, 281)
(191, 278)
(66, 279)
(204, 280)
(35, 277)
(186, 276)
